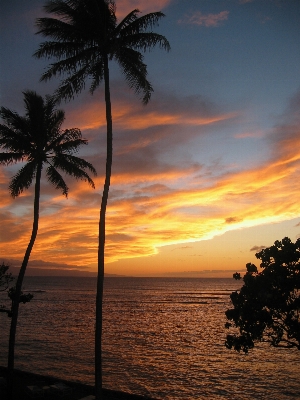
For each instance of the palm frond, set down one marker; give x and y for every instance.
(61, 8)
(144, 41)
(13, 120)
(10, 158)
(34, 106)
(72, 85)
(60, 31)
(127, 20)
(81, 163)
(80, 21)
(145, 22)
(99, 17)
(14, 141)
(135, 71)
(71, 65)
(72, 146)
(57, 180)
(77, 67)
(112, 7)
(97, 74)
(73, 167)
(50, 108)
(54, 118)
(71, 134)
(60, 50)
(55, 121)
(23, 178)
(67, 142)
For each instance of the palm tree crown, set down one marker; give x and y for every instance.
(37, 139)
(87, 33)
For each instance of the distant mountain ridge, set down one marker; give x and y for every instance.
(58, 272)
(44, 268)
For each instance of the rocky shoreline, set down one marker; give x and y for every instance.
(23, 379)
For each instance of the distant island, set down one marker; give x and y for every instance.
(44, 268)
(33, 271)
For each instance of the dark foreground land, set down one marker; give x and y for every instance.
(24, 379)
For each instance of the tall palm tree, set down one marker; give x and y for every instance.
(85, 37)
(37, 139)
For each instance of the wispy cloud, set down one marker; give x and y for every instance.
(207, 20)
(257, 249)
(156, 200)
(163, 110)
(250, 134)
(145, 221)
(232, 220)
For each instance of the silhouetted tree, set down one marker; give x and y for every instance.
(37, 139)
(6, 279)
(267, 307)
(86, 36)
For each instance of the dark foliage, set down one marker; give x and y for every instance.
(267, 307)
(6, 277)
(6, 280)
(38, 141)
(22, 298)
(85, 34)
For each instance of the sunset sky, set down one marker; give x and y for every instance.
(204, 176)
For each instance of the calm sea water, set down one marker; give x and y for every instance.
(162, 337)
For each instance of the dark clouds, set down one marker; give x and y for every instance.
(257, 249)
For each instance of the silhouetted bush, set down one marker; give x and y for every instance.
(6, 280)
(267, 307)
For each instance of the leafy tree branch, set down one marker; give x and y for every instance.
(267, 307)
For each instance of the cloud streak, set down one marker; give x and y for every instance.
(154, 202)
(208, 20)
(257, 249)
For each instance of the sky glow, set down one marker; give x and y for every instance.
(202, 175)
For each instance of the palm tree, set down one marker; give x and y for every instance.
(37, 139)
(85, 37)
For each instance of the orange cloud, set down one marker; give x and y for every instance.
(151, 206)
(138, 224)
(92, 116)
(124, 7)
(159, 118)
(250, 134)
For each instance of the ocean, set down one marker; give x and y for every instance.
(162, 337)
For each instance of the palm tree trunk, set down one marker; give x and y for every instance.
(100, 280)
(18, 289)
